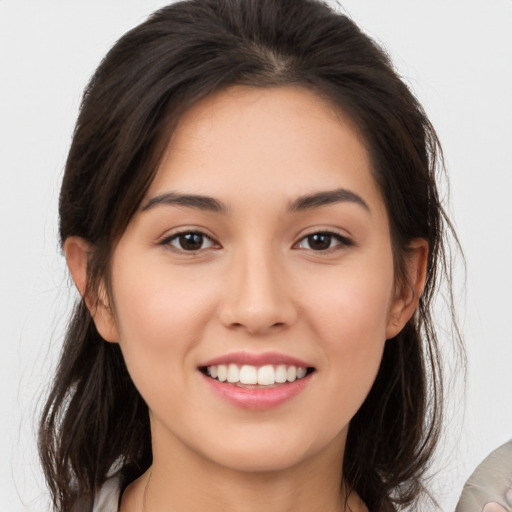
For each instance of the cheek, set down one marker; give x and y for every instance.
(351, 311)
(160, 319)
(350, 320)
(155, 304)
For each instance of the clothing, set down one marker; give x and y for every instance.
(107, 499)
(489, 489)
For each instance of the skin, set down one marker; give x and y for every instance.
(256, 285)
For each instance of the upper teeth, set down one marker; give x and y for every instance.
(262, 375)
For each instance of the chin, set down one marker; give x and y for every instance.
(267, 451)
(251, 461)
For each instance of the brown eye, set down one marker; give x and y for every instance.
(319, 241)
(189, 241)
(323, 241)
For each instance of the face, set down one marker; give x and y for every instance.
(261, 254)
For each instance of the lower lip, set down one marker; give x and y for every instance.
(257, 398)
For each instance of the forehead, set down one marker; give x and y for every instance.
(265, 143)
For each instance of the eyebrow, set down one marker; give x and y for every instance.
(306, 202)
(326, 198)
(189, 200)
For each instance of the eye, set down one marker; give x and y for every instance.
(189, 241)
(323, 241)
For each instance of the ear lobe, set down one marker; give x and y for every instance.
(408, 292)
(76, 251)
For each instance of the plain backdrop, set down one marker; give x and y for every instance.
(456, 55)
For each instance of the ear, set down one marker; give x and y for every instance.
(409, 290)
(77, 250)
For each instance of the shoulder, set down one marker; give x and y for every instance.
(490, 485)
(107, 498)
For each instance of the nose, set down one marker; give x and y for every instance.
(258, 296)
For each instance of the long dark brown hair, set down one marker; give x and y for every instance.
(94, 418)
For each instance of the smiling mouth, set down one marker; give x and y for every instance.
(249, 376)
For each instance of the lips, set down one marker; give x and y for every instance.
(256, 381)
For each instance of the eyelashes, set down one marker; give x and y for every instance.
(189, 241)
(194, 241)
(324, 241)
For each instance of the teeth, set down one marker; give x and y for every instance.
(248, 374)
(222, 372)
(233, 373)
(267, 375)
(281, 373)
(301, 372)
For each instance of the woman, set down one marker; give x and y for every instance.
(250, 214)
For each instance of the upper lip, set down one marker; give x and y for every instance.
(252, 359)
